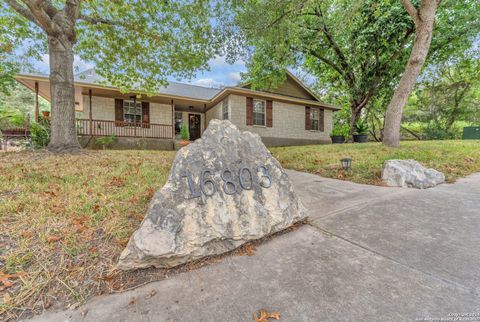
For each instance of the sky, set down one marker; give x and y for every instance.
(221, 73)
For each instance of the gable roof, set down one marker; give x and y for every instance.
(292, 86)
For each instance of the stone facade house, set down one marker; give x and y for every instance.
(289, 115)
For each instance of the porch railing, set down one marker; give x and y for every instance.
(123, 129)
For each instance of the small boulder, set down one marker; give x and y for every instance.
(411, 174)
(223, 190)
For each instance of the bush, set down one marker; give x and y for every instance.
(184, 135)
(340, 130)
(106, 140)
(361, 127)
(40, 133)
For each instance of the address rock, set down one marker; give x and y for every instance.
(410, 173)
(223, 190)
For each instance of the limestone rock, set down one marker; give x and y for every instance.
(184, 224)
(410, 173)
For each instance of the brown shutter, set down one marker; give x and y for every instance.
(321, 120)
(146, 114)
(249, 110)
(119, 112)
(307, 118)
(269, 114)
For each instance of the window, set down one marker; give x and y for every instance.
(314, 118)
(132, 111)
(258, 112)
(225, 109)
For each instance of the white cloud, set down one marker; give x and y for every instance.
(235, 76)
(208, 82)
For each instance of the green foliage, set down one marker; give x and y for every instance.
(448, 94)
(106, 140)
(133, 44)
(40, 133)
(361, 127)
(10, 118)
(340, 130)
(184, 135)
(354, 49)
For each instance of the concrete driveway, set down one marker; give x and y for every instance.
(371, 254)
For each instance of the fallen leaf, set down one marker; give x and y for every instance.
(26, 234)
(250, 250)
(263, 316)
(7, 283)
(53, 238)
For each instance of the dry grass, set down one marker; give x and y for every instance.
(454, 158)
(64, 221)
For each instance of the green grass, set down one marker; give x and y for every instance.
(454, 158)
(65, 219)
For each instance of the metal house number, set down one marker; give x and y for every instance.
(230, 186)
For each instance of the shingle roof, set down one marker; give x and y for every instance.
(173, 88)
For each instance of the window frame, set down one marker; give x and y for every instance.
(137, 109)
(264, 112)
(312, 119)
(225, 110)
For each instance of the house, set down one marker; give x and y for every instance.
(289, 115)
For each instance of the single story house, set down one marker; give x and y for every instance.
(289, 115)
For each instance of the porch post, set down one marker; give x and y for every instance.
(173, 120)
(90, 111)
(135, 116)
(36, 102)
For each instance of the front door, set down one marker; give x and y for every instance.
(194, 126)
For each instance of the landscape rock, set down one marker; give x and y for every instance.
(183, 224)
(411, 174)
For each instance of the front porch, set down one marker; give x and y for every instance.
(91, 127)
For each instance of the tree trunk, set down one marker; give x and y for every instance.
(424, 19)
(354, 117)
(62, 90)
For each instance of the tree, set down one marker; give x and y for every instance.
(448, 93)
(423, 18)
(353, 48)
(135, 45)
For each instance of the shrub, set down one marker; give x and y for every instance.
(40, 133)
(106, 140)
(184, 135)
(361, 127)
(340, 130)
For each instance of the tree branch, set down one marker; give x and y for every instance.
(72, 9)
(22, 10)
(43, 19)
(412, 11)
(97, 20)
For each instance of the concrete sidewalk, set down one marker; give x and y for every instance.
(371, 254)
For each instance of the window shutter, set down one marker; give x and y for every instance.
(269, 113)
(118, 112)
(146, 114)
(307, 118)
(249, 110)
(321, 120)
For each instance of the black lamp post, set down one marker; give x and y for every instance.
(346, 163)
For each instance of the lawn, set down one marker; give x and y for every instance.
(65, 219)
(454, 158)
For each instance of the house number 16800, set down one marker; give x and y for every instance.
(229, 186)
